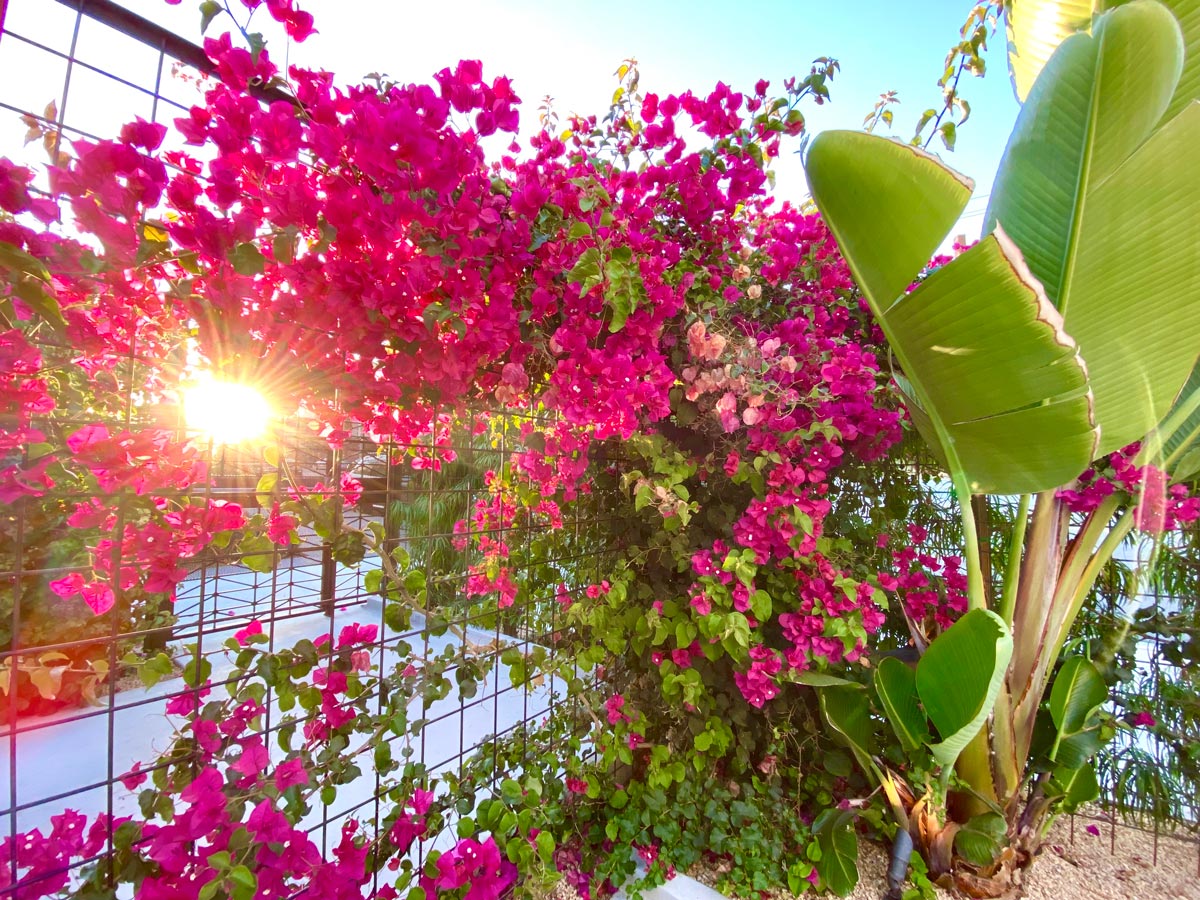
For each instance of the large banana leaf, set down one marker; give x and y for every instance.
(1104, 208)
(1180, 452)
(997, 385)
(896, 685)
(1037, 27)
(1078, 691)
(847, 709)
(1188, 89)
(960, 675)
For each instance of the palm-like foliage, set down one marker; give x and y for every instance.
(1056, 339)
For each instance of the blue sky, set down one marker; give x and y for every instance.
(570, 50)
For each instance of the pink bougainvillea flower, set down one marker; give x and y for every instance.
(758, 683)
(99, 597)
(280, 526)
(187, 702)
(290, 773)
(267, 824)
(351, 490)
(615, 706)
(355, 633)
(243, 635)
(134, 778)
(1143, 719)
(253, 758)
(68, 586)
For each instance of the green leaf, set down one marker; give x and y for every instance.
(47, 680)
(1035, 29)
(847, 710)
(958, 678)
(926, 118)
(373, 581)
(266, 488)
(889, 205)
(283, 246)
(1000, 378)
(979, 840)
(39, 299)
(1180, 451)
(17, 260)
(896, 684)
(996, 385)
(820, 679)
(948, 134)
(1188, 89)
(349, 548)
(257, 44)
(1076, 786)
(621, 302)
(247, 259)
(586, 272)
(30, 282)
(837, 763)
(244, 883)
(838, 863)
(209, 10)
(545, 846)
(1078, 692)
(510, 789)
(258, 553)
(153, 670)
(1084, 171)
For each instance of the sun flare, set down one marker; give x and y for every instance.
(225, 411)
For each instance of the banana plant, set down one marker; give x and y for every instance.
(1071, 330)
(1037, 27)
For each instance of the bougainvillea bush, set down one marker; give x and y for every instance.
(698, 366)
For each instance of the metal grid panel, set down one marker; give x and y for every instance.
(101, 67)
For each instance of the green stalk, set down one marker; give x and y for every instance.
(1091, 572)
(974, 769)
(1081, 551)
(976, 599)
(1012, 572)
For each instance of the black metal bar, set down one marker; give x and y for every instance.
(154, 35)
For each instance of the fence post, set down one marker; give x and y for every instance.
(328, 568)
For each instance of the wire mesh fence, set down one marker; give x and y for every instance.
(84, 694)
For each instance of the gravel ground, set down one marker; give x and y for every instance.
(1090, 868)
(1084, 869)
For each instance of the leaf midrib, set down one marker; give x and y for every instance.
(1071, 255)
